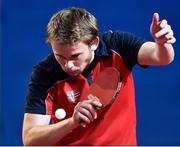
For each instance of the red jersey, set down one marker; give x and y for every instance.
(115, 125)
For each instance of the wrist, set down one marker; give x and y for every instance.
(73, 124)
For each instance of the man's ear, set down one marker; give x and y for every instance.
(94, 44)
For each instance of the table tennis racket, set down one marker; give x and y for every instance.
(106, 86)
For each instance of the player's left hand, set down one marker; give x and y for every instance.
(161, 31)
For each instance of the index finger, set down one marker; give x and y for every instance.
(155, 19)
(95, 102)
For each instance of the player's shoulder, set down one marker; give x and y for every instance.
(48, 69)
(46, 62)
(45, 67)
(115, 34)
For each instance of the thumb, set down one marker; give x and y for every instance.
(155, 19)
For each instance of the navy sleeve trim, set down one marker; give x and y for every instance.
(124, 43)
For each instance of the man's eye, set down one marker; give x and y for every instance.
(75, 56)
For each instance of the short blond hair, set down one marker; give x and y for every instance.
(71, 25)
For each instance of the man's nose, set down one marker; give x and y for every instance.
(69, 64)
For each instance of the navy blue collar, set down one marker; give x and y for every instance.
(102, 50)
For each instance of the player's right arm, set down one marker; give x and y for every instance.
(37, 131)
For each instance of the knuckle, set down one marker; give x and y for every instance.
(88, 113)
(78, 106)
(172, 32)
(174, 39)
(79, 103)
(169, 27)
(90, 107)
(166, 36)
(87, 120)
(164, 21)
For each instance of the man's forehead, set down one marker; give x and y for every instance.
(72, 49)
(75, 45)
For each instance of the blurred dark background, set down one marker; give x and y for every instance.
(23, 44)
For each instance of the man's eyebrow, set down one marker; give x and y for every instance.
(71, 56)
(57, 54)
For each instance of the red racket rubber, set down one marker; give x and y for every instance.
(106, 86)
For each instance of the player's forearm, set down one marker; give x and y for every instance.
(49, 134)
(152, 53)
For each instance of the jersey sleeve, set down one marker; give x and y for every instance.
(37, 91)
(124, 43)
(42, 78)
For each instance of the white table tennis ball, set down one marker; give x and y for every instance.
(60, 113)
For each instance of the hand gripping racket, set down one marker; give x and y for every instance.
(106, 86)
